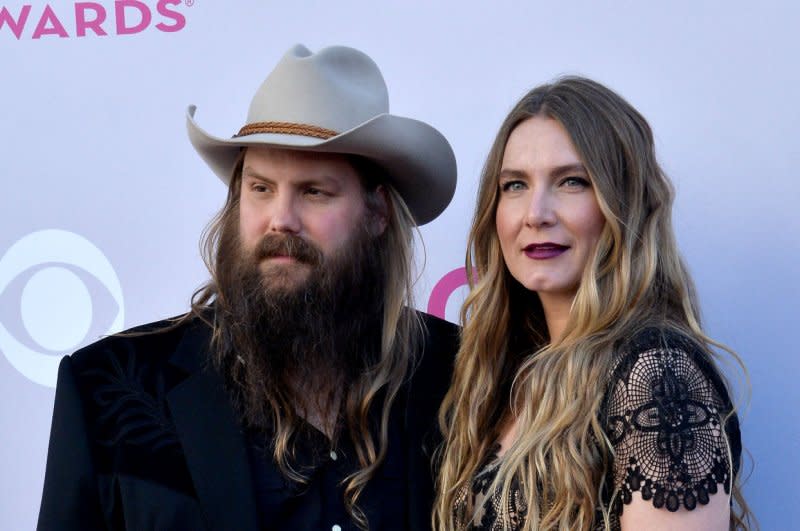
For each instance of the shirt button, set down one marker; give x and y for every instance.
(334, 456)
(336, 528)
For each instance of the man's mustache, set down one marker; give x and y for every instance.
(272, 245)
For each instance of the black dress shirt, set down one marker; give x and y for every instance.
(319, 502)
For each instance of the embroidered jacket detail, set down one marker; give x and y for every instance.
(132, 404)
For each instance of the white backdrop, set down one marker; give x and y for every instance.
(103, 198)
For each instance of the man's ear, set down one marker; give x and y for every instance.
(379, 216)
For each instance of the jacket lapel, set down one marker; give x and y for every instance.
(211, 437)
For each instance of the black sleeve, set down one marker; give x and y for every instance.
(69, 500)
(665, 407)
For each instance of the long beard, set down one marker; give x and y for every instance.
(292, 344)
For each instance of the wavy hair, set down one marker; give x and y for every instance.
(377, 386)
(635, 278)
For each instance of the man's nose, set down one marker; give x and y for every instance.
(541, 210)
(284, 216)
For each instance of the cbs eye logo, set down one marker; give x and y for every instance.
(58, 290)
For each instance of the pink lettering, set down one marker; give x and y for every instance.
(55, 27)
(16, 25)
(163, 10)
(144, 12)
(437, 304)
(132, 16)
(82, 23)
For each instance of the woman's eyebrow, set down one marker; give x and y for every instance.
(506, 173)
(567, 169)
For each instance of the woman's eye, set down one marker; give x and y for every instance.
(512, 186)
(575, 182)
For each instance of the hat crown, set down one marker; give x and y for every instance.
(336, 101)
(338, 89)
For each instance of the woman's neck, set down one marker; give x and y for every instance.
(556, 313)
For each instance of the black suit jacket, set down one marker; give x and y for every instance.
(144, 436)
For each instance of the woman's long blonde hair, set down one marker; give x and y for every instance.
(508, 367)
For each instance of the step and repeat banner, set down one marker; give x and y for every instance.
(103, 199)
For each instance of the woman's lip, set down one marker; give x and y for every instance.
(544, 251)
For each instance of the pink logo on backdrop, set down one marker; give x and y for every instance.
(440, 294)
(82, 19)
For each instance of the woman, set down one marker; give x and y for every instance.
(585, 394)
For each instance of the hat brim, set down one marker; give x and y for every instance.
(418, 160)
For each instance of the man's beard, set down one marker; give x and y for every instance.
(293, 342)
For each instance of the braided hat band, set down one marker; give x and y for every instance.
(286, 128)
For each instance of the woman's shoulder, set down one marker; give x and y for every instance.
(655, 352)
(661, 365)
(669, 417)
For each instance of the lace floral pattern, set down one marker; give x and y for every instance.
(488, 506)
(663, 413)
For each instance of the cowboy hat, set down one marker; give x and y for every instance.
(336, 101)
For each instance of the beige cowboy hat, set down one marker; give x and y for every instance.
(335, 101)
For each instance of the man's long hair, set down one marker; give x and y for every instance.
(379, 375)
(634, 279)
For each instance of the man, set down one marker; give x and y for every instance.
(301, 390)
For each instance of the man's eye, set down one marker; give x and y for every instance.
(315, 192)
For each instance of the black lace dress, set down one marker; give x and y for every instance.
(663, 410)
